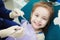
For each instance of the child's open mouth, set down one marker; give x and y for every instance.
(37, 24)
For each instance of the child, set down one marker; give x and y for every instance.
(40, 19)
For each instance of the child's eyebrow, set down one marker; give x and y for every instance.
(37, 13)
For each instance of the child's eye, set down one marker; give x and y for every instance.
(45, 18)
(37, 15)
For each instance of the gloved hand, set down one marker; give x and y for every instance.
(15, 13)
(18, 33)
(8, 31)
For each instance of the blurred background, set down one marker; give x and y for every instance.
(11, 4)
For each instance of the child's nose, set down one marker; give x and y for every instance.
(39, 20)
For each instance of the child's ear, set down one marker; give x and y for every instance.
(57, 19)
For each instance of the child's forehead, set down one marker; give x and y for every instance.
(41, 10)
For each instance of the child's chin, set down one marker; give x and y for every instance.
(36, 27)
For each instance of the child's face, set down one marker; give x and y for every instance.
(39, 17)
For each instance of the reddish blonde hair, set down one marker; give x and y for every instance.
(48, 6)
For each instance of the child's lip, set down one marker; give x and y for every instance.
(38, 24)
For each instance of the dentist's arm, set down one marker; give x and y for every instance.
(18, 34)
(8, 31)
